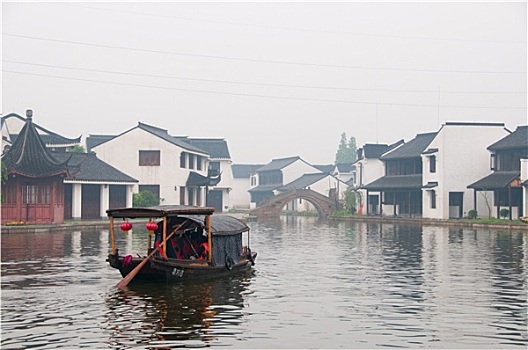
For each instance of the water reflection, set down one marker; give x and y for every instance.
(177, 315)
(316, 284)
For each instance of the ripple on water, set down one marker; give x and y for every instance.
(315, 285)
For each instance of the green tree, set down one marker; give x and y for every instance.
(4, 180)
(4, 173)
(145, 199)
(347, 150)
(350, 201)
(77, 149)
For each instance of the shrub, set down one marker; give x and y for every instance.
(472, 214)
(504, 213)
(145, 199)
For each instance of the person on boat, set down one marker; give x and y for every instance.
(203, 251)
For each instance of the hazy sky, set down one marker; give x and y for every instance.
(274, 79)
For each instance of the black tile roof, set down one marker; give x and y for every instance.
(28, 155)
(496, 180)
(398, 182)
(303, 182)
(47, 136)
(411, 149)
(264, 188)
(244, 171)
(344, 168)
(217, 148)
(91, 168)
(95, 140)
(279, 163)
(161, 133)
(325, 168)
(517, 139)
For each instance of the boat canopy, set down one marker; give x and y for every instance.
(220, 224)
(159, 211)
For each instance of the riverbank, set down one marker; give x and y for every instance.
(103, 223)
(433, 222)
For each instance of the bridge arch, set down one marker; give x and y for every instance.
(273, 206)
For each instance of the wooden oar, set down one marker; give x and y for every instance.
(130, 276)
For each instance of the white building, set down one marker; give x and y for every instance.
(323, 183)
(218, 195)
(454, 159)
(276, 174)
(505, 189)
(365, 170)
(171, 167)
(240, 197)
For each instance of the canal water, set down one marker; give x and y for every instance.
(316, 284)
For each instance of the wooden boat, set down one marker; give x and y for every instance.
(188, 242)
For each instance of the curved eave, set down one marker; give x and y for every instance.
(37, 176)
(99, 182)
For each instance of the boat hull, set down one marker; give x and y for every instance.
(175, 270)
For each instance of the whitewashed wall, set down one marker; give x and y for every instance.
(462, 159)
(122, 152)
(226, 183)
(296, 170)
(240, 197)
(367, 171)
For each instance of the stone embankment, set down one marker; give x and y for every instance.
(80, 224)
(430, 222)
(103, 223)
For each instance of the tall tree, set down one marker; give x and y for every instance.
(347, 151)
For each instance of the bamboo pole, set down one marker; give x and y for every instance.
(112, 235)
(126, 280)
(164, 244)
(209, 238)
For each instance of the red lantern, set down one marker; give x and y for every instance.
(126, 226)
(151, 227)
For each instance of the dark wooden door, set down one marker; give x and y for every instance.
(214, 199)
(91, 202)
(68, 201)
(117, 196)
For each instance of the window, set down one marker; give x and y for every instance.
(191, 161)
(198, 162)
(433, 199)
(214, 168)
(432, 164)
(34, 194)
(9, 193)
(149, 158)
(493, 162)
(183, 160)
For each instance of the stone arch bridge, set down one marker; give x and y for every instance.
(272, 206)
